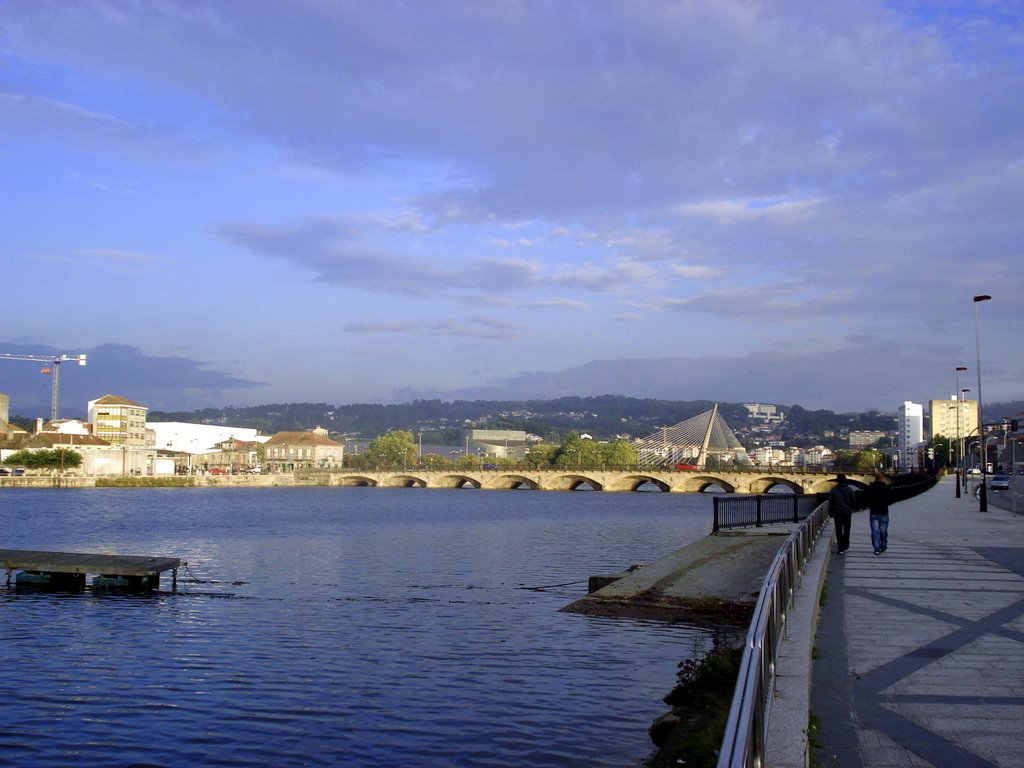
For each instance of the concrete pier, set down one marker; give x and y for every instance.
(69, 569)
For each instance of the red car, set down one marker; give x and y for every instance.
(218, 471)
(687, 467)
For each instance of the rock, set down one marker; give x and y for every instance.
(661, 728)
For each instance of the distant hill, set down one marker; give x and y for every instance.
(604, 417)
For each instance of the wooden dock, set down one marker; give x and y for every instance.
(69, 569)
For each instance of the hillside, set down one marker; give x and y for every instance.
(604, 417)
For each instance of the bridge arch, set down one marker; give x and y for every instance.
(573, 482)
(512, 482)
(458, 481)
(703, 483)
(404, 481)
(634, 482)
(766, 483)
(357, 481)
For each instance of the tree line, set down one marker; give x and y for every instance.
(398, 448)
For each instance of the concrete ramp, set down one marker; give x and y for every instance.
(715, 580)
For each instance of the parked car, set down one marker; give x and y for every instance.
(973, 471)
(1000, 482)
(218, 471)
(4, 471)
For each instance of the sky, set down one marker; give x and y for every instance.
(243, 202)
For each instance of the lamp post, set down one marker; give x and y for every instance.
(963, 458)
(983, 496)
(959, 411)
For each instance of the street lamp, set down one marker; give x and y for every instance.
(959, 410)
(983, 496)
(963, 458)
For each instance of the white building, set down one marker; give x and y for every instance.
(769, 456)
(911, 434)
(183, 437)
(762, 412)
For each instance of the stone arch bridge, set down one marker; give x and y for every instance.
(669, 481)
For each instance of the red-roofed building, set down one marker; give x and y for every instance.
(286, 451)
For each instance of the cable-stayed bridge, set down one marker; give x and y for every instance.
(692, 442)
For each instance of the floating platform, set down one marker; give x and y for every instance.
(68, 570)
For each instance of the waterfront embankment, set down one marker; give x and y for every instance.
(57, 480)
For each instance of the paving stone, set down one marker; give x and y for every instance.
(932, 634)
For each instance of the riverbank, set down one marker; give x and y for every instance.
(713, 582)
(56, 480)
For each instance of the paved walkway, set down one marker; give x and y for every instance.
(919, 658)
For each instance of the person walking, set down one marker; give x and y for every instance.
(841, 502)
(877, 496)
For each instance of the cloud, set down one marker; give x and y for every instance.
(158, 382)
(355, 252)
(789, 302)
(470, 328)
(853, 375)
(72, 125)
(733, 211)
(743, 169)
(107, 260)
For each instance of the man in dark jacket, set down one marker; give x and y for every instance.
(841, 503)
(877, 497)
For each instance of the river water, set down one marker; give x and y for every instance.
(340, 626)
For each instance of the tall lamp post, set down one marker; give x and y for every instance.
(963, 455)
(959, 412)
(983, 496)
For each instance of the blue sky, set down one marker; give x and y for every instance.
(242, 202)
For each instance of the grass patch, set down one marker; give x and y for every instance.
(813, 729)
(144, 482)
(692, 733)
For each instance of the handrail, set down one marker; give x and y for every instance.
(743, 745)
(735, 511)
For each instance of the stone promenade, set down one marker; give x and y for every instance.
(919, 657)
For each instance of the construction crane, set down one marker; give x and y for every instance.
(54, 362)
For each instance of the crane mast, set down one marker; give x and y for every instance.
(55, 361)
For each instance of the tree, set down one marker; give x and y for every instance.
(541, 455)
(941, 451)
(870, 460)
(394, 448)
(844, 459)
(576, 453)
(618, 454)
(46, 458)
(433, 461)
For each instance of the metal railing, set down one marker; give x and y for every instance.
(743, 745)
(762, 509)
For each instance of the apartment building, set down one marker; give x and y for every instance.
(911, 434)
(953, 419)
(119, 421)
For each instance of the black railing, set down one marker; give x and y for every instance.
(762, 509)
